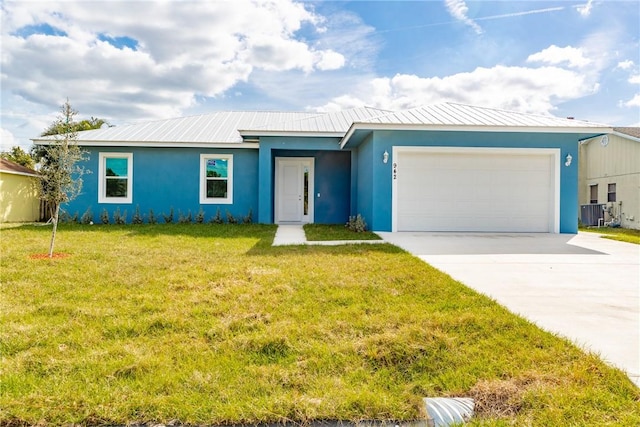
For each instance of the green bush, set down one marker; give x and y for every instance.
(200, 216)
(356, 224)
(64, 217)
(248, 219)
(218, 218)
(184, 219)
(168, 218)
(87, 216)
(231, 219)
(152, 217)
(104, 216)
(118, 218)
(137, 218)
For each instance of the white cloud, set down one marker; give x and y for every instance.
(633, 102)
(625, 65)
(182, 52)
(276, 54)
(531, 90)
(458, 9)
(554, 55)
(635, 79)
(6, 140)
(330, 60)
(585, 9)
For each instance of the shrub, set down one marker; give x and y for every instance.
(152, 217)
(231, 219)
(137, 218)
(87, 216)
(118, 218)
(356, 224)
(168, 218)
(218, 218)
(249, 218)
(64, 217)
(104, 216)
(184, 219)
(200, 216)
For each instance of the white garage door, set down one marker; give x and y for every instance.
(488, 190)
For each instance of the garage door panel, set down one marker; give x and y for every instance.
(474, 192)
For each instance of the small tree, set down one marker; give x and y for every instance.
(19, 156)
(60, 128)
(61, 176)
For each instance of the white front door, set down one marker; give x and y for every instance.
(294, 189)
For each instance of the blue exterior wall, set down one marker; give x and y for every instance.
(350, 181)
(332, 176)
(364, 182)
(170, 177)
(374, 184)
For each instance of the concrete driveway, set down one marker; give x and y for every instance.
(582, 287)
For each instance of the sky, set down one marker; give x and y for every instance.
(142, 60)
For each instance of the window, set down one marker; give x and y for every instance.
(593, 194)
(116, 178)
(611, 193)
(216, 178)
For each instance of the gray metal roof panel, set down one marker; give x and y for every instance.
(219, 127)
(467, 115)
(333, 122)
(227, 127)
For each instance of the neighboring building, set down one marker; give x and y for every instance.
(19, 201)
(609, 179)
(446, 167)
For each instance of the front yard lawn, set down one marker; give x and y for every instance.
(209, 324)
(324, 232)
(628, 235)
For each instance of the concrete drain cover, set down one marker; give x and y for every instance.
(445, 411)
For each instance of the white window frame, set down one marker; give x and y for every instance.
(102, 178)
(204, 200)
(611, 194)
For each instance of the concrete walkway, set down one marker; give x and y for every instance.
(293, 234)
(582, 287)
(289, 235)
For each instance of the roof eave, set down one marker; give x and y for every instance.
(157, 144)
(34, 175)
(593, 130)
(259, 133)
(626, 136)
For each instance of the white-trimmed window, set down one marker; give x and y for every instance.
(611, 193)
(115, 178)
(216, 178)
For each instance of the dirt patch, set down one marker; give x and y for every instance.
(56, 255)
(504, 398)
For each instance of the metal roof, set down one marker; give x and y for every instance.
(467, 115)
(214, 128)
(227, 128)
(460, 117)
(337, 122)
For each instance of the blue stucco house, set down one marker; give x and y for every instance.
(445, 167)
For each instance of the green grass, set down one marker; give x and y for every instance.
(628, 235)
(208, 324)
(324, 232)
